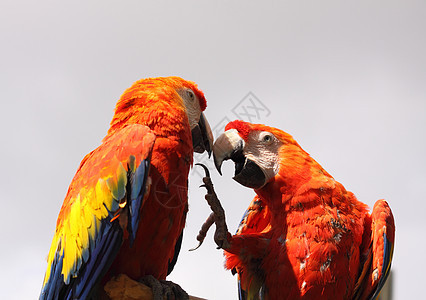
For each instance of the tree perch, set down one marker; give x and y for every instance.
(124, 288)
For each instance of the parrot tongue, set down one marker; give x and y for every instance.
(247, 172)
(239, 160)
(238, 167)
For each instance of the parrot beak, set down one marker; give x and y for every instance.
(202, 136)
(229, 145)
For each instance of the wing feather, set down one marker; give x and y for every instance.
(383, 236)
(377, 259)
(255, 219)
(88, 235)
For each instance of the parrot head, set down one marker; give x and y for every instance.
(259, 152)
(156, 102)
(195, 103)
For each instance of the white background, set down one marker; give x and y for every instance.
(347, 80)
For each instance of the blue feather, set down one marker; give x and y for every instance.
(137, 186)
(387, 260)
(241, 293)
(99, 262)
(56, 280)
(106, 238)
(96, 264)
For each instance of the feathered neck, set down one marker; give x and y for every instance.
(159, 108)
(298, 175)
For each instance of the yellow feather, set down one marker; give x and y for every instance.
(66, 251)
(50, 257)
(74, 217)
(83, 222)
(121, 177)
(84, 236)
(111, 183)
(132, 163)
(87, 211)
(103, 195)
(95, 204)
(72, 240)
(117, 185)
(92, 229)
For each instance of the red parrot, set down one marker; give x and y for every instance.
(125, 209)
(304, 236)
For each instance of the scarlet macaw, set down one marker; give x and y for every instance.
(125, 209)
(304, 236)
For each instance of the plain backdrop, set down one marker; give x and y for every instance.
(346, 78)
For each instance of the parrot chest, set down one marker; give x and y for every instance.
(162, 219)
(312, 254)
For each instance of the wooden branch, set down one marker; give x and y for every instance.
(124, 288)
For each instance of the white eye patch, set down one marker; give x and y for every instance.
(266, 138)
(192, 106)
(262, 148)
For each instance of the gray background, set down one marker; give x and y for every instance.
(347, 80)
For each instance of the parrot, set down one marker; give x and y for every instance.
(125, 209)
(303, 236)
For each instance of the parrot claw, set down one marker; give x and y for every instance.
(195, 248)
(217, 216)
(205, 168)
(163, 289)
(203, 231)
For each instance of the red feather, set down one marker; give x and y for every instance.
(143, 164)
(306, 236)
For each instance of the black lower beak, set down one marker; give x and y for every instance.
(247, 172)
(202, 137)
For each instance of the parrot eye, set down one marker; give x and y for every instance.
(190, 94)
(266, 138)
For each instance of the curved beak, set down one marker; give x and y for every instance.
(202, 136)
(229, 145)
